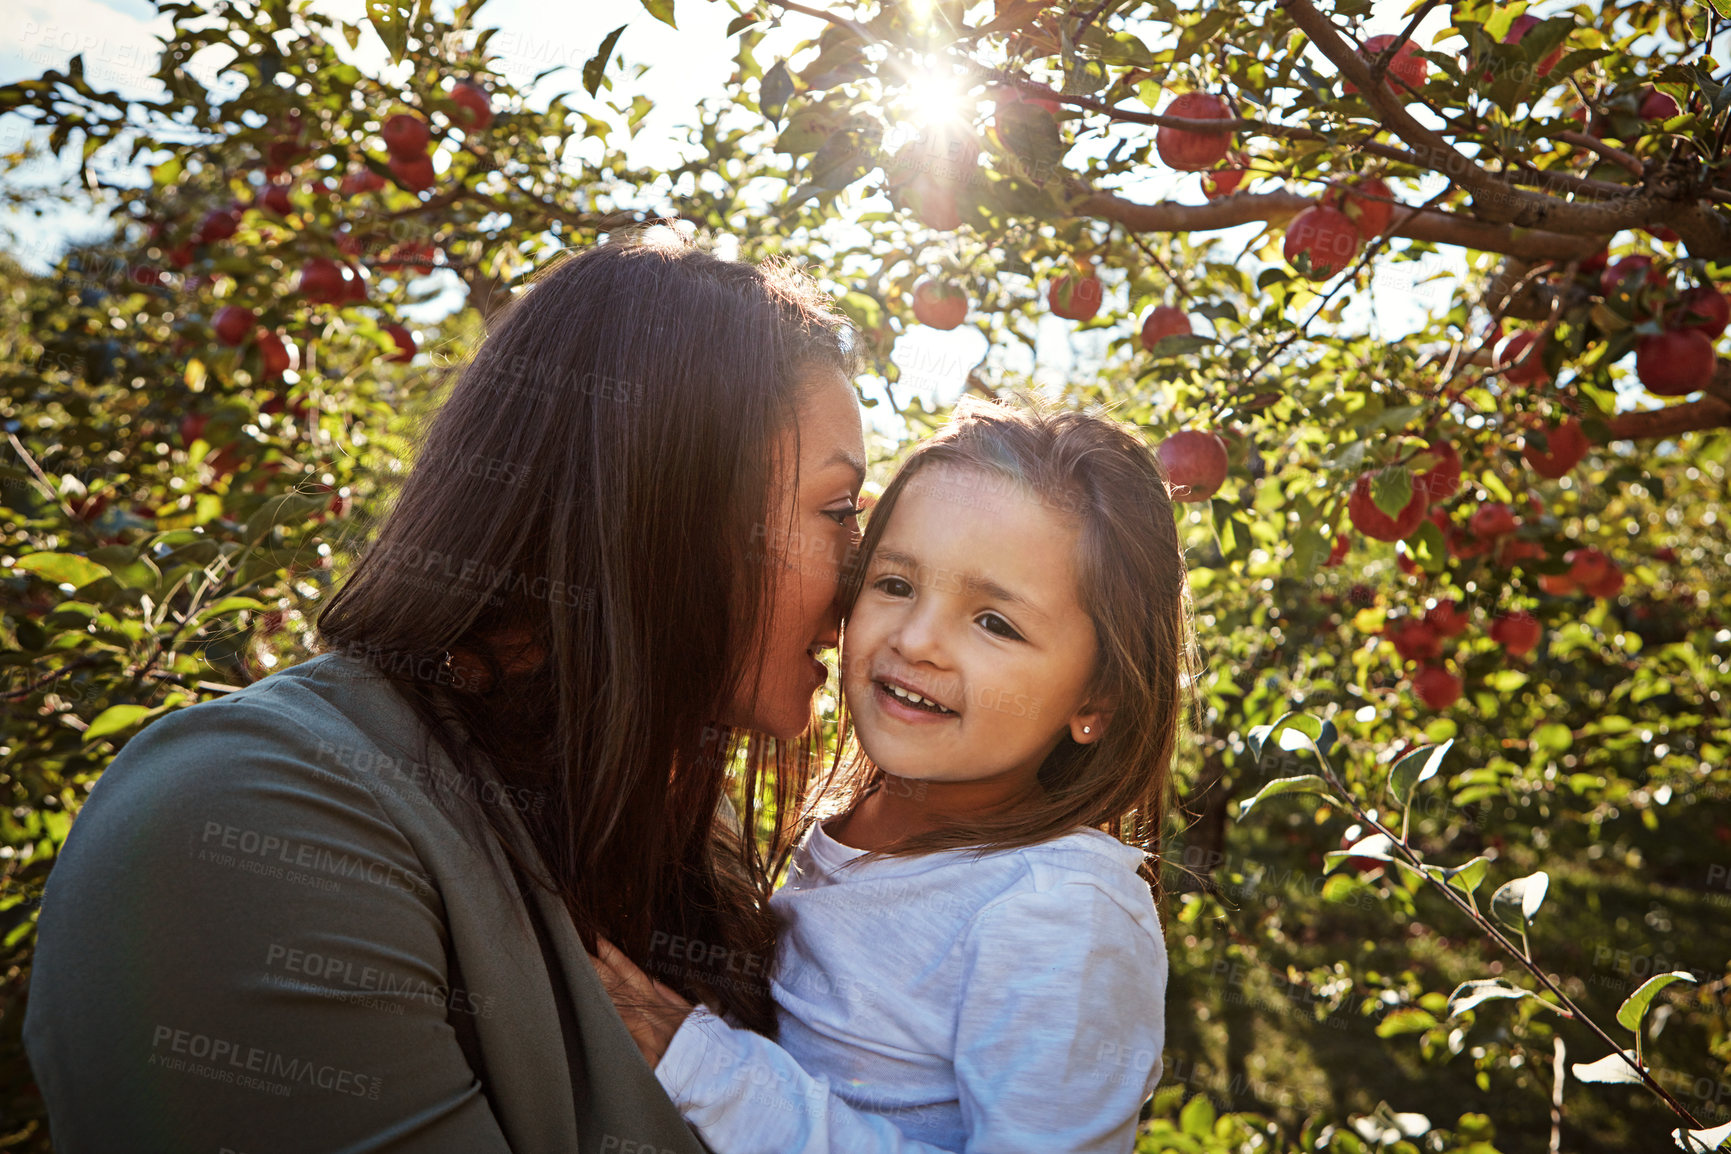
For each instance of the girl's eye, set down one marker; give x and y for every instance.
(994, 624)
(894, 586)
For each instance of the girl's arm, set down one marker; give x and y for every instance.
(1058, 1039)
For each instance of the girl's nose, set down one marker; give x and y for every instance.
(919, 639)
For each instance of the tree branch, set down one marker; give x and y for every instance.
(1277, 207)
(1672, 420)
(1707, 233)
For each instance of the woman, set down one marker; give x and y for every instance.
(347, 908)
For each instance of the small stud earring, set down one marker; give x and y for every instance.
(1087, 729)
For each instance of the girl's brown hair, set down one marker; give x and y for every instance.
(565, 590)
(1134, 587)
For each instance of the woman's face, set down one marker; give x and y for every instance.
(806, 543)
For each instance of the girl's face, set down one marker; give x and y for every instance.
(806, 541)
(970, 605)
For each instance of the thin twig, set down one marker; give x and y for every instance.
(1614, 155)
(1566, 1004)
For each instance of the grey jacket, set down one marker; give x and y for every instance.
(247, 942)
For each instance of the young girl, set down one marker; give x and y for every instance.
(971, 957)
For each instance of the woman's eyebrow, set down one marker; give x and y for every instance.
(843, 457)
(972, 580)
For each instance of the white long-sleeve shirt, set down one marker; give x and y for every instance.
(997, 1004)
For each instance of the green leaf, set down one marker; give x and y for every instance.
(1415, 768)
(1309, 548)
(391, 21)
(1197, 1117)
(775, 90)
(1470, 995)
(596, 68)
(1515, 903)
(739, 22)
(1302, 783)
(1377, 847)
(1703, 1141)
(1609, 1069)
(1429, 548)
(1407, 1020)
(62, 568)
(284, 509)
(662, 10)
(114, 719)
(228, 605)
(1391, 489)
(1468, 877)
(1631, 1012)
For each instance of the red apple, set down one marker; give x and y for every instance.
(1658, 106)
(1337, 554)
(192, 428)
(361, 181)
(1405, 65)
(1189, 151)
(1164, 321)
(1007, 95)
(218, 224)
(415, 174)
(1373, 522)
(933, 202)
(1587, 566)
(1516, 632)
(354, 285)
(1637, 269)
(1518, 31)
(1195, 464)
(939, 305)
(1222, 182)
(276, 355)
(406, 136)
(1075, 298)
(1565, 445)
(1531, 367)
(1703, 307)
(1558, 584)
(1607, 586)
(1491, 520)
(321, 281)
(1370, 206)
(1511, 551)
(1445, 620)
(413, 254)
(1675, 363)
(405, 342)
(233, 324)
(1325, 238)
(180, 255)
(1413, 639)
(1436, 687)
(474, 111)
(276, 199)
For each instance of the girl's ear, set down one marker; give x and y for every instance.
(1089, 723)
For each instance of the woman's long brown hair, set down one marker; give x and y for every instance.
(584, 502)
(1133, 583)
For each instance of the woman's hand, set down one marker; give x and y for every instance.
(652, 1012)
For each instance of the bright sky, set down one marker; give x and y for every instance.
(118, 39)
